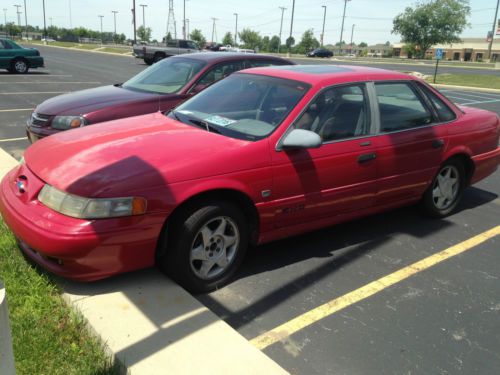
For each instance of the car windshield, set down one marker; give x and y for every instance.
(244, 106)
(165, 77)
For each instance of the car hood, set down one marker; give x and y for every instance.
(84, 101)
(138, 153)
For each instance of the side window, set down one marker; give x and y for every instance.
(220, 71)
(172, 43)
(192, 45)
(1, 45)
(183, 44)
(444, 112)
(400, 107)
(338, 113)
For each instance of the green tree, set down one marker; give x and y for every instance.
(228, 39)
(435, 22)
(198, 37)
(274, 43)
(144, 33)
(362, 45)
(265, 44)
(251, 39)
(308, 42)
(290, 41)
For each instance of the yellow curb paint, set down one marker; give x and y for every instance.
(312, 316)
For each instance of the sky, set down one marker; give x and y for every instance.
(372, 18)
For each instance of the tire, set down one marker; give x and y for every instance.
(148, 61)
(444, 193)
(19, 66)
(209, 245)
(157, 57)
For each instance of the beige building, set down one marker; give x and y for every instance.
(470, 49)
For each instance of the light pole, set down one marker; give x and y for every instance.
(18, 15)
(213, 28)
(324, 18)
(281, 26)
(5, 17)
(493, 31)
(352, 33)
(44, 24)
(342, 28)
(114, 16)
(291, 26)
(187, 27)
(133, 21)
(184, 21)
(101, 17)
(25, 19)
(236, 30)
(143, 16)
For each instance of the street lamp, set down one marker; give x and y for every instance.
(114, 16)
(324, 18)
(352, 32)
(143, 16)
(26, 19)
(291, 26)
(236, 30)
(187, 27)
(18, 15)
(101, 17)
(281, 26)
(5, 16)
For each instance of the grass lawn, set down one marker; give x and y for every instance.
(48, 337)
(473, 80)
(116, 50)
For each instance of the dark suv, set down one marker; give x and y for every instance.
(157, 88)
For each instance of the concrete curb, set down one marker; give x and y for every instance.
(465, 88)
(7, 366)
(150, 325)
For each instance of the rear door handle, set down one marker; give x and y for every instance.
(366, 157)
(437, 143)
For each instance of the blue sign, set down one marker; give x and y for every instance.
(439, 53)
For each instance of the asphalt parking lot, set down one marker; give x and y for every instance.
(440, 319)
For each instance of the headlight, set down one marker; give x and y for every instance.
(68, 122)
(90, 208)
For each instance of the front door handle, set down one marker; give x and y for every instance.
(437, 143)
(363, 158)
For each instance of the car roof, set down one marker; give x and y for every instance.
(225, 56)
(329, 74)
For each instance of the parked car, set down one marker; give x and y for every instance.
(157, 88)
(320, 52)
(263, 154)
(152, 54)
(17, 59)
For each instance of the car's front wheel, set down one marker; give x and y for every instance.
(206, 245)
(445, 191)
(19, 66)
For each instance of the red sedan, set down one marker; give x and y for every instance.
(261, 155)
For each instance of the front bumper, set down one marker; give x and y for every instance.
(77, 249)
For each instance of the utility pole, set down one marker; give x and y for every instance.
(291, 24)
(352, 33)
(5, 17)
(143, 16)
(184, 21)
(70, 19)
(187, 28)
(213, 28)
(114, 16)
(133, 22)
(44, 24)
(493, 31)
(342, 28)
(101, 17)
(25, 19)
(236, 30)
(281, 26)
(18, 15)
(324, 18)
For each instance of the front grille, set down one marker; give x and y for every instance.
(37, 119)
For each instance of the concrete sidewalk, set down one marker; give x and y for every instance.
(150, 325)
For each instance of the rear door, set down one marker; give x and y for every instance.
(340, 176)
(410, 144)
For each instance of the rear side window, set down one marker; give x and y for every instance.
(444, 112)
(400, 107)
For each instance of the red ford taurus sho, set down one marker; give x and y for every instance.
(261, 155)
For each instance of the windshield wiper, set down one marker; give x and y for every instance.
(195, 121)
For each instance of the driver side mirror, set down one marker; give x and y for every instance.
(300, 138)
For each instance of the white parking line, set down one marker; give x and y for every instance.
(481, 95)
(13, 139)
(36, 75)
(46, 82)
(16, 110)
(481, 102)
(32, 92)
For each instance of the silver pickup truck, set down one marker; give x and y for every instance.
(151, 54)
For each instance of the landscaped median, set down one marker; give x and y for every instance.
(467, 80)
(125, 50)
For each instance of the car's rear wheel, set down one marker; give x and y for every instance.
(19, 66)
(445, 191)
(206, 245)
